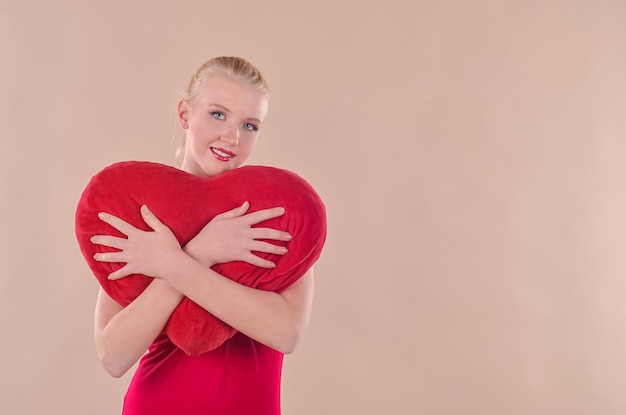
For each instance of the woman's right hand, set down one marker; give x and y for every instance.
(230, 237)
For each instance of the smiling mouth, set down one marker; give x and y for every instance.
(221, 154)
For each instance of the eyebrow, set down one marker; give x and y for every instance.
(214, 104)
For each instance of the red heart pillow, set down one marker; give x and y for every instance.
(185, 203)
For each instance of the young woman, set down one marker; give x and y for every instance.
(222, 114)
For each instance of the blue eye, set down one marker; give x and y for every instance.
(250, 127)
(218, 115)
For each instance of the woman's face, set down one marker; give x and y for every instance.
(222, 125)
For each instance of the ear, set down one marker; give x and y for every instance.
(183, 114)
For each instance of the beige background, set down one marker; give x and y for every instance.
(471, 156)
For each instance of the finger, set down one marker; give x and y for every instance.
(267, 247)
(259, 262)
(110, 241)
(119, 224)
(234, 213)
(268, 233)
(120, 273)
(117, 256)
(150, 218)
(264, 214)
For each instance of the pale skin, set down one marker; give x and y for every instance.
(123, 334)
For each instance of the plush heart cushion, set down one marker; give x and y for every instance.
(185, 203)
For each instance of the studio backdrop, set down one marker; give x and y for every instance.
(470, 156)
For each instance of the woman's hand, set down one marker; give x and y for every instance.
(230, 237)
(148, 253)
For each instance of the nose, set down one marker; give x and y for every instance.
(230, 136)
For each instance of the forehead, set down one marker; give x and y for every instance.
(234, 94)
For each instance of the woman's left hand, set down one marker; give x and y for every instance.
(144, 252)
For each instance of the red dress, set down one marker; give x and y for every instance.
(241, 377)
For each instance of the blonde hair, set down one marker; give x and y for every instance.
(232, 66)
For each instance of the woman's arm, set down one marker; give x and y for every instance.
(123, 334)
(274, 319)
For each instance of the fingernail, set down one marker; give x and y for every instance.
(101, 215)
(289, 237)
(283, 250)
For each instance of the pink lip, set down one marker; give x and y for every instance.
(230, 154)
